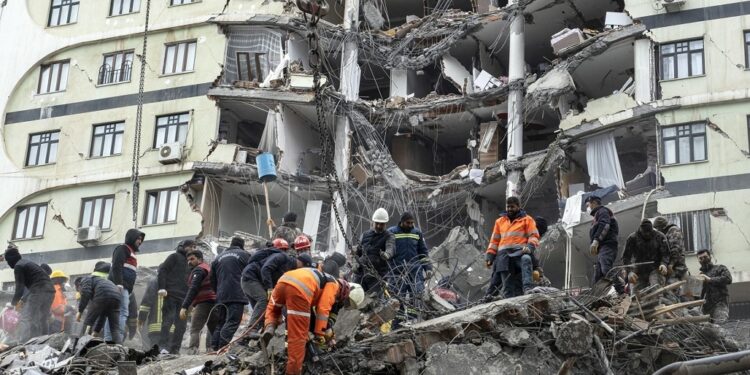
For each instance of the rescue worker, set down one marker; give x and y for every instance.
(149, 314)
(302, 244)
(300, 291)
(332, 264)
(677, 267)
(288, 230)
(123, 271)
(62, 313)
(172, 276)
(226, 280)
(104, 298)
(603, 236)
(201, 299)
(409, 266)
(716, 280)
(510, 253)
(35, 312)
(376, 247)
(646, 245)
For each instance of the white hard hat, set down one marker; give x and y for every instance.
(380, 216)
(356, 295)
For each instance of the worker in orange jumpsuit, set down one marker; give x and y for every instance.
(62, 313)
(300, 291)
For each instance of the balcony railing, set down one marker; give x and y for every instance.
(109, 75)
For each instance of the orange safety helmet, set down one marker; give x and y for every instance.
(280, 244)
(301, 243)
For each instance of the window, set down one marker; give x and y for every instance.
(747, 49)
(63, 12)
(161, 206)
(696, 228)
(179, 57)
(682, 59)
(171, 128)
(250, 66)
(107, 139)
(30, 221)
(53, 77)
(116, 68)
(748, 132)
(684, 143)
(119, 7)
(182, 2)
(42, 148)
(97, 212)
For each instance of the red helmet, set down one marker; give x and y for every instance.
(280, 244)
(301, 243)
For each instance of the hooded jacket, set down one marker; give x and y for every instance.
(173, 274)
(29, 275)
(604, 227)
(124, 262)
(643, 246)
(409, 248)
(226, 275)
(97, 287)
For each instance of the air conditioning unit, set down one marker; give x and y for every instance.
(170, 153)
(672, 5)
(88, 235)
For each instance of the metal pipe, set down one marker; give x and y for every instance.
(720, 364)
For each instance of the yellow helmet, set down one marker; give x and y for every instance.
(58, 273)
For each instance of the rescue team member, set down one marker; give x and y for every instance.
(300, 291)
(105, 300)
(288, 230)
(511, 250)
(376, 247)
(410, 265)
(201, 298)
(716, 280)
(603, 236)
(172, 276)
(302, 244)
(252, 282)
(149, 314)
(62, 313)
(35, 312)
(646, 245)
(123, 271)
(225, 279)
(677, 267)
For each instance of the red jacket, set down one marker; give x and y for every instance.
(199, 286)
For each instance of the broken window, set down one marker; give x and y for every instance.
(107, 139)
(684, 143)
(30, 221)
(252, 53)
(42, 148)
(161, 206)
(63, 12)
(179, 57)
(119, 7)
(250, 66)
(682, 59)
(116, 67)
(53, 77)
(171, 128)
(97, 211)
(696, 228)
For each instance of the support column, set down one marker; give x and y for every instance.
(516, 78)
(349, 86)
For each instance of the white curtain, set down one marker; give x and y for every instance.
(603, 164)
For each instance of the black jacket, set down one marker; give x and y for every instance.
(96, 287)
(150, 308)
(119, 274)
(252, 270)
(173, 274)
(226, 272)
(717, 289)
(272, 269)
(372, 245)
(604, 227)
(30, 275)
(644, 247)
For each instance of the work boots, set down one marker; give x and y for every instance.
(267, 334)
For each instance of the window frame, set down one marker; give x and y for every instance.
(19, 209)
(114, 133)
(126, 68)
(174, 71)
(70, 4)
(50, 66)
(255, 57)
(746, 40)
(167, 125)
(100, 220)
(172, 2)
(157, 194)
(675, 54)
(676, 138)
(29, 144)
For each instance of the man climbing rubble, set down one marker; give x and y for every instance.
(35, 312)
(603, 236)
(103, 300)
(300, 291)
(226, 281)
(410, 265)
(201, 300)
(649, 246)
(677, 267)
(123, 271)
(376, 247)
(510, 253)
(716, 280)
(172, 276)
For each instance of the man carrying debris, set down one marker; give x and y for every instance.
(716, 280)
(123, 271)
(201, 298)
(410, 265)
(603, 235)
(376, 247)
(226, 280)
(649, 246)
(35, 312)
(677, 266)
(172, 276)
(105, 300)
(511, 251)
(299, 291)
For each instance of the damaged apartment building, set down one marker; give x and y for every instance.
(440, 107)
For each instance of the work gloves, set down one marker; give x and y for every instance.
(489, 259)
(183, 314)
(320, 342)
(594, 249)
(268, 294)
(386, 255)
(162, 292)
(536, 275)
(632, 278)
(663, 270)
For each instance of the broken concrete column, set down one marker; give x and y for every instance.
(574, 337)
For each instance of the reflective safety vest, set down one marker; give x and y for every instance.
(509, 235)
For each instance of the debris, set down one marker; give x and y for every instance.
(574, 337)
(566, 38)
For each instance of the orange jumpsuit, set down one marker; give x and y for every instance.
(59, 303)
(300, 290)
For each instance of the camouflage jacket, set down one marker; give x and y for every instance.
(717, 289)
(287, 231)
(676, 250)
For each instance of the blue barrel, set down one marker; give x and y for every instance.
(266, 167)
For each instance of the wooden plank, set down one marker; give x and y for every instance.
(666, 309)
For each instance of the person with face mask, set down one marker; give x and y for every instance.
(376, 247)
(716, 280)
(410, 265)
(646, 245)
(603, 237)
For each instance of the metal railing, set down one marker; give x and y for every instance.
(107, 74)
